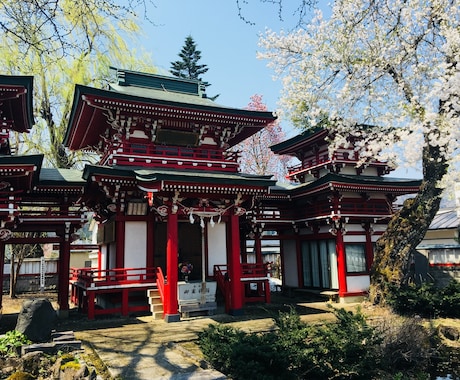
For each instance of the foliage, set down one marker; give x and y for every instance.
(60, 44)
(243, 356)
(11, 341)
(256, 156)
(427, 300)
(387, 73)
(20, 375)
(188, 66)
(60, 28)
(407, 345)
(345, 349)
(18, 253)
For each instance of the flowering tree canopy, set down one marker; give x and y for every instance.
(256, 156)
(62, 43)
(393, 67)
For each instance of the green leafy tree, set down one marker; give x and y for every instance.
(188, 66)
(62, 43)
(18, 253)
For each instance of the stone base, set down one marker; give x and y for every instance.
(236, 312)
(172, 318)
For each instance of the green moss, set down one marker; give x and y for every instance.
(21, 376)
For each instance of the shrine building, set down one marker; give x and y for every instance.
(174, 211)
(34, 199)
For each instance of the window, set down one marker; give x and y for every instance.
(356, 258)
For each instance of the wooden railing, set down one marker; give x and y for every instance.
(222, 277)
(171, 156)
(161, 283)
(253, 270)
(96, 278)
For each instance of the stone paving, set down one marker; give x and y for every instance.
(145, 348)
(141, 348)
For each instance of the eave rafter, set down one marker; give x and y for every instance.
(158, 111)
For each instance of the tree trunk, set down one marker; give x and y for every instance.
(395, 249)
(13, 278)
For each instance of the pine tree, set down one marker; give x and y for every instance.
(188, 67)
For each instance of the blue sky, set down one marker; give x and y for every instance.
(228, 45)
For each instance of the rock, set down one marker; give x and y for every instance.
(449, 332)
(36, 319)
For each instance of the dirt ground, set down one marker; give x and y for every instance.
(14, 305)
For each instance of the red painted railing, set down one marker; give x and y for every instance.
(222, 278)
(117, 287)
(161, 283)
(94, 278)
(253, 270)
(171, 156)
(250, 274)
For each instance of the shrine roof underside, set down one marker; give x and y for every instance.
(307, 137)
(355, 183)
(94, 110)
(20, 171)
(16, 95)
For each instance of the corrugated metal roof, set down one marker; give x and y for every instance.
(445, 219)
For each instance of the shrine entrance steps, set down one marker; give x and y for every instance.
(155, 302)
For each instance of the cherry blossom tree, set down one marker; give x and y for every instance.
(256, 156)
(392, 65)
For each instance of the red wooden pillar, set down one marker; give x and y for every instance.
(91, 297)
(259, 260)
(171, 305)
(120, 237)
(63, 275)
(234, 264)
(2, 265)
(258, 248)
(341, 263)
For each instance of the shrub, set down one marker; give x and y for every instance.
(407, 345)
(426, 300)
(243, 355)
(10, 343)
(345, 349)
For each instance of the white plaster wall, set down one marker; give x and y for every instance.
(358, 283)
(355, 238)
(103, 256)
(217, 246)
(290, 263)
(136, 244)
(112, 247)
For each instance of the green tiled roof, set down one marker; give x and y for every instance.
(52, 176)
(149, 175)
(368, 182)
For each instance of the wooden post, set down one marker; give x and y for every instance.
(369, 246)
(2, 264)
(63, 275)
(341, 263)
(171, 305)
(236, 289)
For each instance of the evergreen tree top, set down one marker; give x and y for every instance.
(188, 66)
